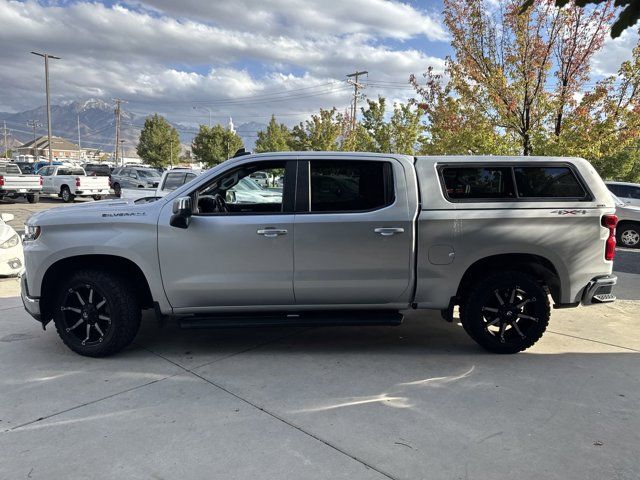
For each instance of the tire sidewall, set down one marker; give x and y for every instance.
(114, 340)
(473, 317)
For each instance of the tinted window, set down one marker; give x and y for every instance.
(615, 189)
(634, 192)
(70, 171)
(174, 180)
(12, 169)
(547, 182)
(350, 186)
(478, 182)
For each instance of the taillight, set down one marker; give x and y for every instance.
(1, 180)
(40, 180)
(77, 181)
(610, 221)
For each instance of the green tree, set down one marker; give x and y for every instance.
(214, 145)
(320, 133)
(276, 138)
(455, 125)
(373, 120)
(159, 141)
(8, 153)
(406, 128)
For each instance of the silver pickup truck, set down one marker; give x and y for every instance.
(14, 184)
(355, 239)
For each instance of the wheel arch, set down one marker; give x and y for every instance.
(536, 265)
(114, 264)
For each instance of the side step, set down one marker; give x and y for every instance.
(329, 318)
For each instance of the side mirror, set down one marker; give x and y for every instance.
(7, 217)
(182, 212)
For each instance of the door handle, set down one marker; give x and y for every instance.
(271, 232)
(388, 231)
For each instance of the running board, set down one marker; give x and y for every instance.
(302, 319)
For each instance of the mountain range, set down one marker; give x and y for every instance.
(97, 126)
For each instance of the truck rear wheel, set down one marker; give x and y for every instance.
(33, 197)
(97, 197)
(117, 190)
(96, 313)
(66, 195)
(506, 312)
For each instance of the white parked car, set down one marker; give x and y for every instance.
(628, 229)
(11, 256)
(69, 182)
(628, 193)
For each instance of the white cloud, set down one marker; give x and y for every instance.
(607, 61)
(160, 62)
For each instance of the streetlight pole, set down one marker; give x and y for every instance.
(46, 57)
(208, 110)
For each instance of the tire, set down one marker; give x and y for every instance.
(117, 190)
(628, 235)
(66, 195)
(33, 197)
(85, 328)
(97, 197)
(515, 325)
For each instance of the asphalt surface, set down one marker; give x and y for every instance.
(416, 401)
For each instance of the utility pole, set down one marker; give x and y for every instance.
(122, 151)
(79, 145)
(6, 143)
(353, 80)
(34, 124)
(46, 57)
(118, 112)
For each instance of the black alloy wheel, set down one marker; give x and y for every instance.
(96, 313)
(506, 312)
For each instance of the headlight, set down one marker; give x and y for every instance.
(12, 242)
(31, 232)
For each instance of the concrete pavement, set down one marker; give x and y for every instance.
(416, 401)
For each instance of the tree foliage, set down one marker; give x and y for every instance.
(158, 141)
(628, 16)
(214, 145)
(275, 138)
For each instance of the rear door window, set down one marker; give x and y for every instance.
(350, 186)
(548, 182)
(174, 180)
(477, 183)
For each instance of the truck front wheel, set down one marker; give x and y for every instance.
(506, 312)
(96, 313)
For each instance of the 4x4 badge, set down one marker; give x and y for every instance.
(569, 212)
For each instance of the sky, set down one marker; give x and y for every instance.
(241, 58)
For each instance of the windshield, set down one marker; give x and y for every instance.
(247, 183)
(148, 173)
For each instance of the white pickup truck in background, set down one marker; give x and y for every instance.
(69, 182)
(14, 184)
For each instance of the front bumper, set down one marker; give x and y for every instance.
(31, 305)
(599, 290)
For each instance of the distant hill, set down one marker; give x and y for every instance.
(97, 125)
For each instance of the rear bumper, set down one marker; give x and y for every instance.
(599, 290)
(31, 305)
